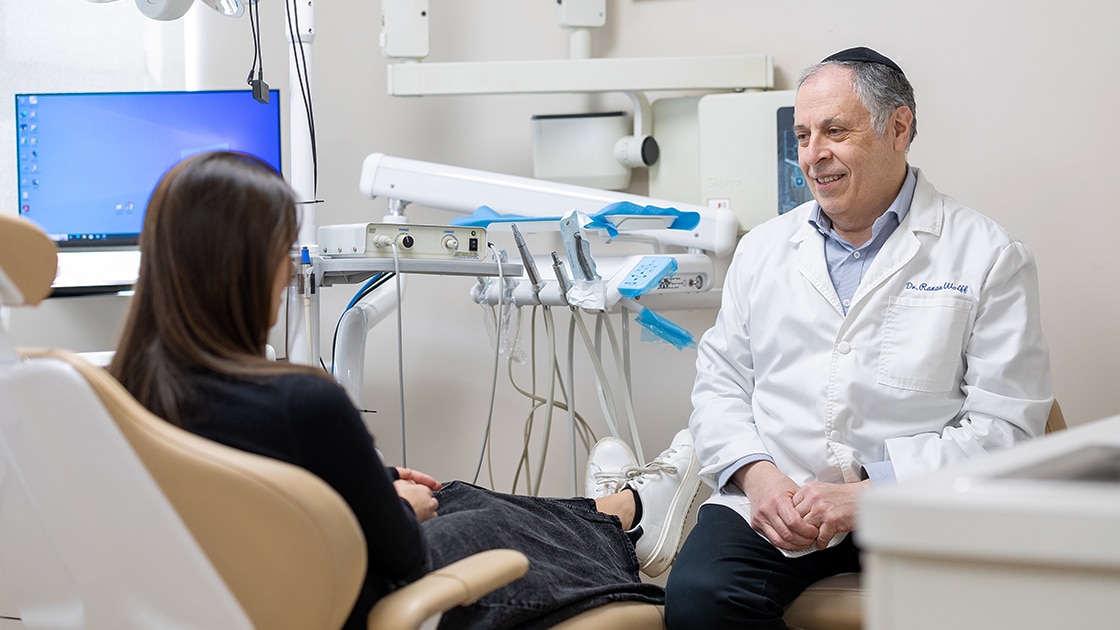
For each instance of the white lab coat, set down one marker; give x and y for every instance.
(941, 356)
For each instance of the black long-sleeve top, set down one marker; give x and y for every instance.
(310, 422)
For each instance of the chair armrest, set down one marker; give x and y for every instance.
(458, 584)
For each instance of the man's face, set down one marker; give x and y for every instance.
(853, 172)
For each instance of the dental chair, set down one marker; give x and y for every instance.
(113, 518)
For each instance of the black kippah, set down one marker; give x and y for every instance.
(865, 55)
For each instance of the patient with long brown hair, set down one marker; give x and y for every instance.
(216, 246)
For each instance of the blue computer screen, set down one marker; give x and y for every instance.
(793, 190)
(88, 162)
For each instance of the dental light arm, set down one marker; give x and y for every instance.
(465, 190)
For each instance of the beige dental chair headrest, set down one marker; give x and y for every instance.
(28, 262)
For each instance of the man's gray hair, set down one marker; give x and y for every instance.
(880, 89)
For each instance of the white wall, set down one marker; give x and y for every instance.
(1015, 101)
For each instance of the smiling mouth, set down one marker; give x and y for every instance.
(827, 180)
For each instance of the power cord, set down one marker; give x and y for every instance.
(299, 58)
(260, 88)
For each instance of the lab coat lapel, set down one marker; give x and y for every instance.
(927, 214)
(812, 265)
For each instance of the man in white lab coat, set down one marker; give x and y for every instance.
(879, 332)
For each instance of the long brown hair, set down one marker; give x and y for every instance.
(215, 231)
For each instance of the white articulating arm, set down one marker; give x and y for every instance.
(464, 190)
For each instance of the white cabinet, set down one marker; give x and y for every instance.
(1024, 539)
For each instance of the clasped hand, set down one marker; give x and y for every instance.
(416, 488)
(795, 518)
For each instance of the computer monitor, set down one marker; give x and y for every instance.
(793, 188)
(88, 163)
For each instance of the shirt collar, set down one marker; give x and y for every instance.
(900, 207)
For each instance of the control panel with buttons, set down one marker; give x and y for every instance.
(448, 242)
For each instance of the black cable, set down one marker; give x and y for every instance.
(259, 87)
(253, 66)
(310, 119)
(304, 83)
(254, 24)
(255, 18)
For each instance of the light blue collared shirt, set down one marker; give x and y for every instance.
(848, 264)
(846, 267)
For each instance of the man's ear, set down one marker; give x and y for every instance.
(901, 123)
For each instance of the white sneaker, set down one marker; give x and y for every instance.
(607, 464)
(667, 486)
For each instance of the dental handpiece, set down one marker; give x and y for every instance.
(527, 260)
(561, 277)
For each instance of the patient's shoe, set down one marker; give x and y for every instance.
(667, 486)
(607, 464)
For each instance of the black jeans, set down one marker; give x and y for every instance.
(579, 558)
(729, 576)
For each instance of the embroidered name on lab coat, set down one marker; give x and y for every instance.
(947, 286)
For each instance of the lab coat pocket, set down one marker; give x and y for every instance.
(922, 342)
